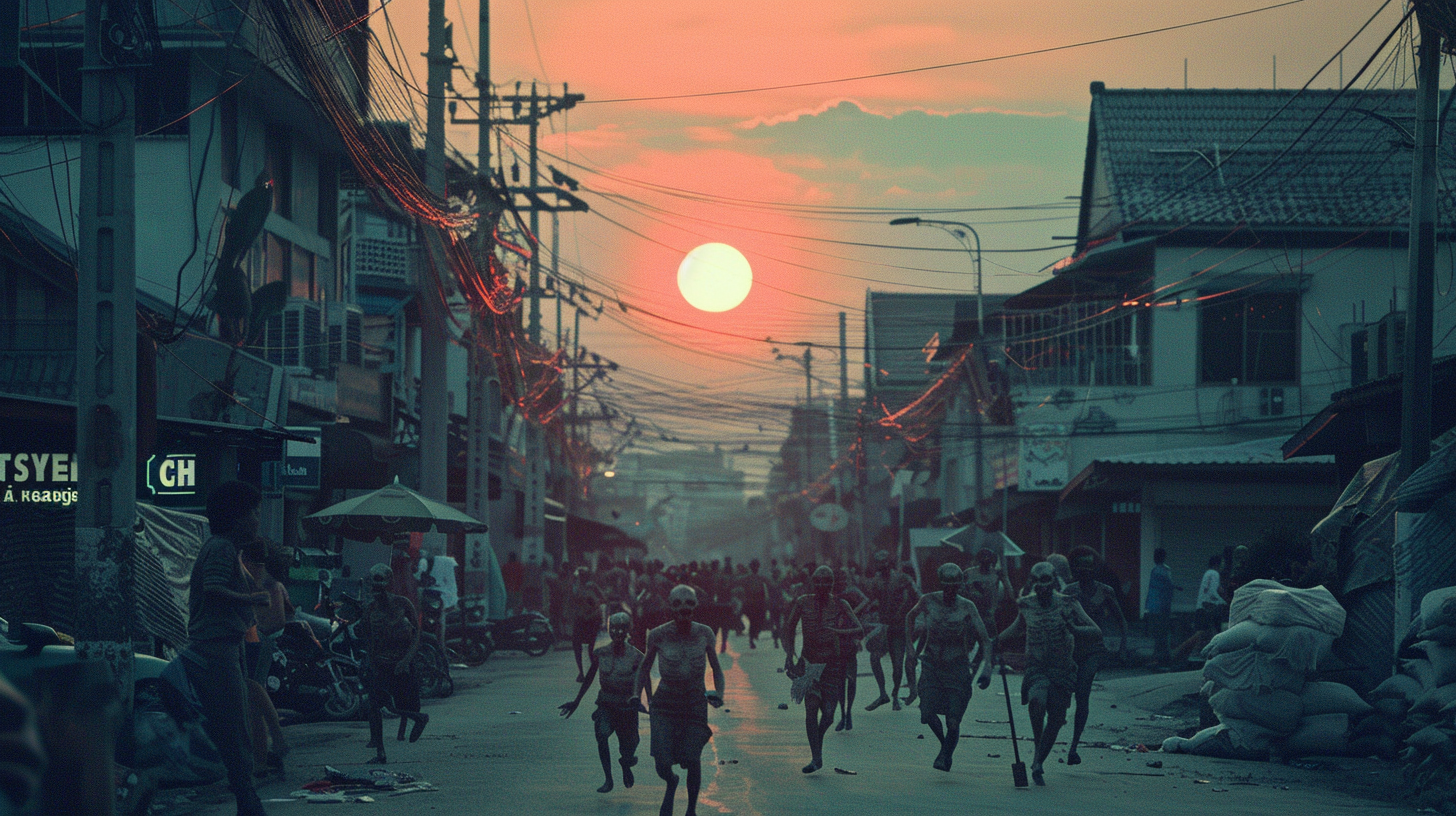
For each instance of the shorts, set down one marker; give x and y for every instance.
(620, 721)
(679, 723)
(829, 688)
(1054, 685)
(944, 690)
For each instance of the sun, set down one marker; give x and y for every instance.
(714, 278)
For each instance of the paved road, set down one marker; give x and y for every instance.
(498, 746)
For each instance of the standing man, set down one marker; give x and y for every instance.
(586, 605)
(220, 607)
(1158, 608)
(683, 648)
(1051, 622)
(951, 622)
(826, 619)
(756, 594)
(893, 594)
(390, 629)
(1100, 603)
(619, 701)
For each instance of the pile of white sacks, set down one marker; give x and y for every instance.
(1416, 709)
(1258, 679)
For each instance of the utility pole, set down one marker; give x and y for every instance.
(1415, 425)
(106, 452)
(434, 385)
(483, 388)
(528, 110)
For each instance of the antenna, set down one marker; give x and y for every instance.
(1185, 73)
(1275, 58)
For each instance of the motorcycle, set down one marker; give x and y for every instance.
(467, 635)
(316, 682)
(432, 665)
(529, 632)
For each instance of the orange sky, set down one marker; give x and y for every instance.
(999, 134)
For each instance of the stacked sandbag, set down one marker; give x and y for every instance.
(1428, 679)
(1258, 669)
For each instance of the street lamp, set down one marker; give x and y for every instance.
(958, 231)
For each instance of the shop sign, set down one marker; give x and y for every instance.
(38, 478)
(1046, 458)
(302, 462)
(172, 474)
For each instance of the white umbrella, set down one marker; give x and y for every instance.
(392, 509)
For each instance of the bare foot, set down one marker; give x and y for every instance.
(1036, 775)
(848, 721)
(606, 787)
(841, 726)
(421, 720)
(895, 704)
(813, 766)
(914, 695)
(879, 701)
(628, 780)
(1073, 758)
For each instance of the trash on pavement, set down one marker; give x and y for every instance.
(846, 773)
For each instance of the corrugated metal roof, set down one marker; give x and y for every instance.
(1167, 158)
(1255, 452)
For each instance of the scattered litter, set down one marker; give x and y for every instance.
(1114, 705)
(1200, 781)
(919, 736)
(781, 670)
(1142, 749)
(513, 712)
(783, 706)
(993, 756)
(1118, 747)
(1157, 763)
(846, 773)
(339, 787)
(1247, 784)
(1219, 790)
(1162, 717)
(727, 711)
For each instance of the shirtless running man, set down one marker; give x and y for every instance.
(951, 622)
(826, 619)
(618, 702)
(1051, 622)
(682, 649)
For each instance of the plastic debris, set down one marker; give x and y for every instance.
(846, 773)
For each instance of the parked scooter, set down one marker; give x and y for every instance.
(432, 666)
(467, 635)
(316, 682)
(529, 632)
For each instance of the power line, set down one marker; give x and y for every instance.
(942, 66)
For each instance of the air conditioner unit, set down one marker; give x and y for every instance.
(1389, 344)
(294, 338)
(346, 334)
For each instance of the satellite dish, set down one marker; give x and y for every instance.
(829, 518)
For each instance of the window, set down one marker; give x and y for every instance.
(1250, 339)
(1096, 342)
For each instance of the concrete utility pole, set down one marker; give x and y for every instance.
(483, 389)
(1415, 425)
(434, 384)
(106, 452)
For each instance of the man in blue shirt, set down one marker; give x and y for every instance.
(1158, 607)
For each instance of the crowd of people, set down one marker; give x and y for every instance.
(823, 618)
